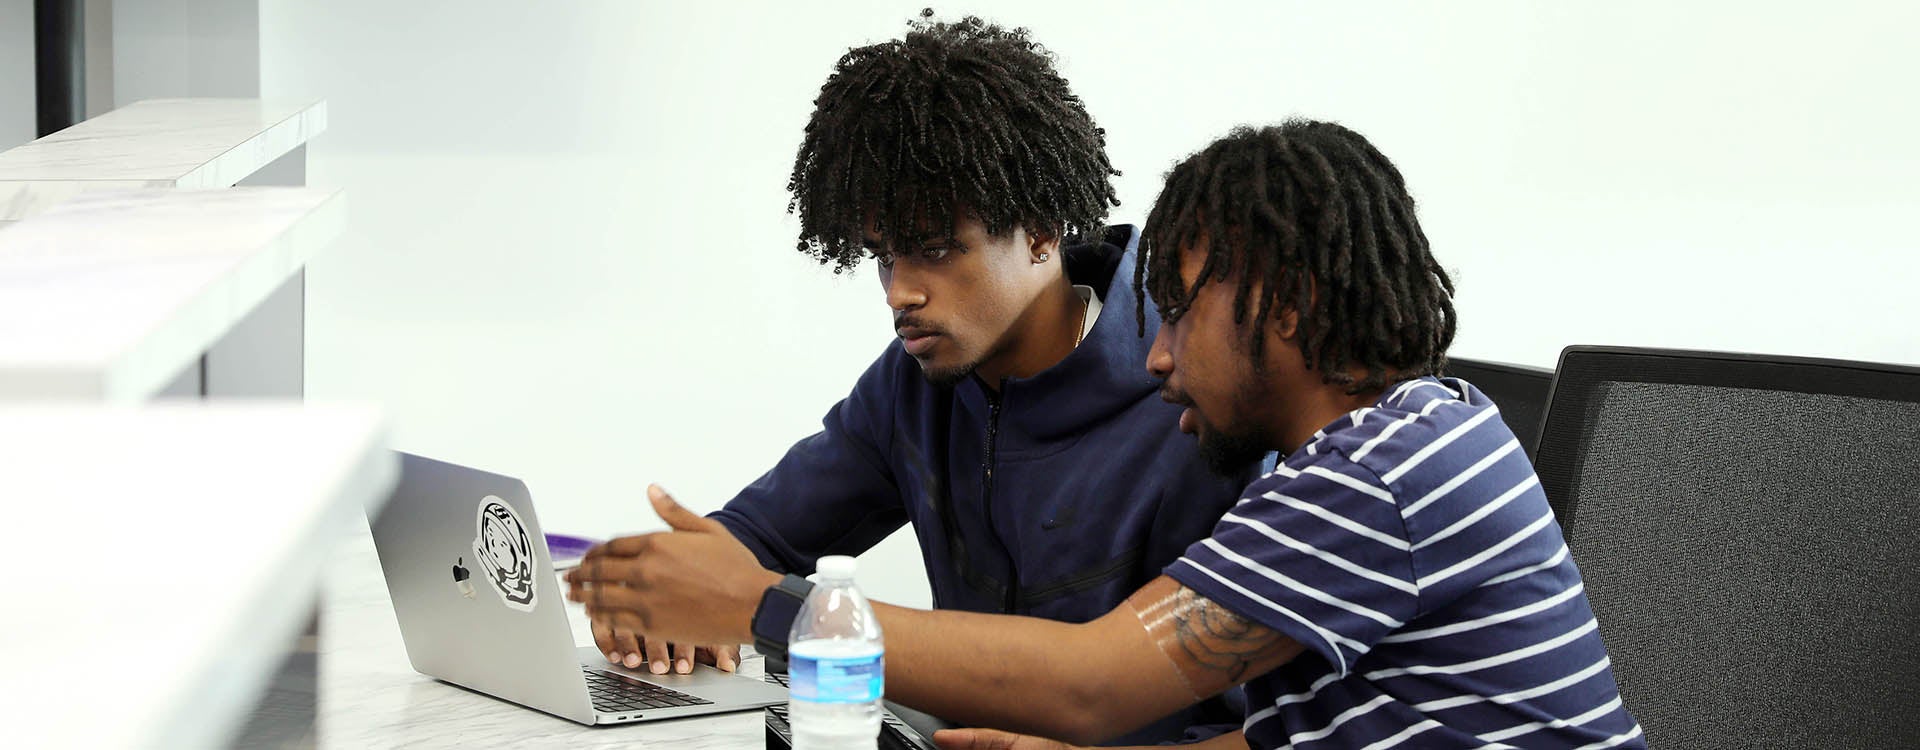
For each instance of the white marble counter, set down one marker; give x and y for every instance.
(182, 143)
(370, 697)
(110, 296)
(175, 551)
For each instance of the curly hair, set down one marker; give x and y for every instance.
(955, 117)
(1323, 221)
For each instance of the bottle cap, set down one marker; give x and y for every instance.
(836, 566)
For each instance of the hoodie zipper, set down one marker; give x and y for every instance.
(986, 498)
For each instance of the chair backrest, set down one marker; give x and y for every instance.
(1520, 392)
(1749, 531)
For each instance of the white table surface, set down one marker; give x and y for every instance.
(183, 143)
(370, 697)
(109, 296)
(175, 552)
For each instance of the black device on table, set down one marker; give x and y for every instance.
(895, 734)
(771, 624)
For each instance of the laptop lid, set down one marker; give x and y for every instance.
(474, 590)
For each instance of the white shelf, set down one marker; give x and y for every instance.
(109, 296)
(171, 555)
(182, 143)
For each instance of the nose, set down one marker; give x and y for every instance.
(904, 292)
(1160, 357)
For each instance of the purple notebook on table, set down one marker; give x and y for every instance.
(567, 550)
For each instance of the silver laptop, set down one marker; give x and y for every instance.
(479, 606)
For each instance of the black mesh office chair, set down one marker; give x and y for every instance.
(1520, 392)
(1749, 531)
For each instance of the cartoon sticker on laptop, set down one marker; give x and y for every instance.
(503, 552)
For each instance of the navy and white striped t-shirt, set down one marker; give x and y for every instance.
(1409, 548)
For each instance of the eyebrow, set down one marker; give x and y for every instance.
(932, 242)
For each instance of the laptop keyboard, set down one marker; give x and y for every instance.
(614, 692)
(894, 733)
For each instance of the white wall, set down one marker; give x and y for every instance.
(17, 107)
(175, 48)
(570, 259)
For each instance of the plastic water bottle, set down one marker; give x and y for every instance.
(836, 663)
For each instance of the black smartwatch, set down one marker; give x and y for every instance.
(773, 621)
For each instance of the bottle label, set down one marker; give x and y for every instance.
(844, 679)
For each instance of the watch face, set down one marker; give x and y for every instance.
(773, 621)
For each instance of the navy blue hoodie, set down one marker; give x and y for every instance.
(1057, 497)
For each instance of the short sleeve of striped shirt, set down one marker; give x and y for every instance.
(1318, 552)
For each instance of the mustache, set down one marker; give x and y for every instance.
(1172, 396)
(904, 320)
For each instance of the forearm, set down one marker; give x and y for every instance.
(1163, 649)
(1081, 683)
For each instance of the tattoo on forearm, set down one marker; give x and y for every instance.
(1215, 638)
(1210, 647)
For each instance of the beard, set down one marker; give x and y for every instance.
(951, 375)
(947, 377)
(1229, 455)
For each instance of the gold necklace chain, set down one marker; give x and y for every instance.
(1080, 331)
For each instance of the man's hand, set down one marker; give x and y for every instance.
(633, 650)
(694, 584)
(994, 739)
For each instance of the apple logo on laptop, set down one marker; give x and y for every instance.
(460, 576)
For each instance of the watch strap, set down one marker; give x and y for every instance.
(779, 607)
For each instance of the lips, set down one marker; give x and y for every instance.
(917, 341)
(1189, 419)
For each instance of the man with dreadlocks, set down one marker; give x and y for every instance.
(1014, 424)
(1398, 580)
